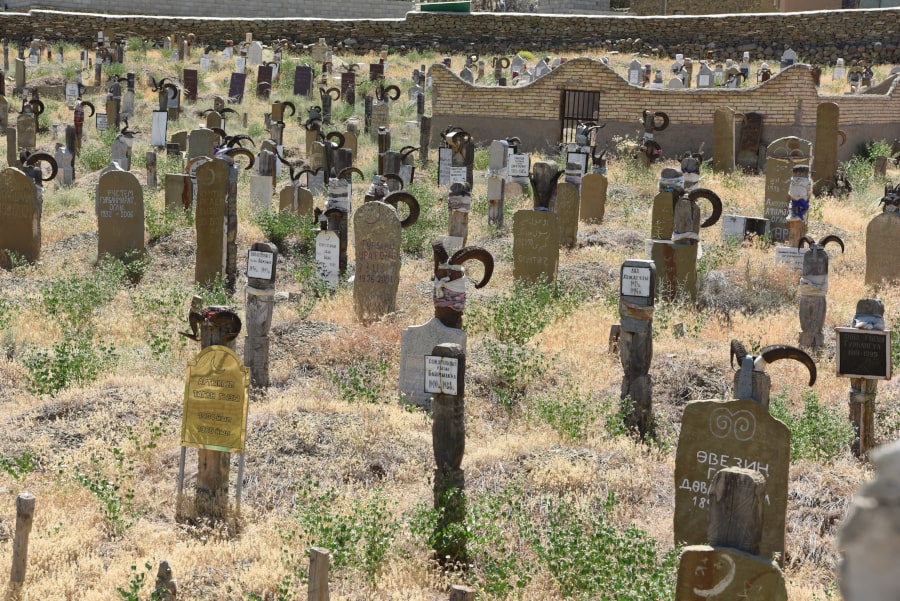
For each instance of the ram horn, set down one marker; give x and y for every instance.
(43, 157)
(514, 141)
(410, 201)
(665, 121)
(336, 135)
(228, 110)
(737, 350)
(293, 108)
(347, 173)
(220, 132)
(392, 92)
(770, 354)
(89, 104)
(335, 93)
(475, 253)
(805, 239)
(296, 176)
(37, 107)
(235, 152)
(832, 238)
(713, 199)
(205, 112)
(843, 136)
(173, 89)
(407, 150)
(236, 141)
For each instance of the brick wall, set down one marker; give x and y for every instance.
(788, 102)
(344, 9)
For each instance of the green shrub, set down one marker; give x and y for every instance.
(568, 411)
(113, 488)
(18, 466)
(76, 360)
(277, 226)
(361, 381)
(75, 299)
(818, 433)
(432, 223)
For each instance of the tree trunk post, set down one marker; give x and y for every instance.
(448, 432)
(736, 509)
(462, 593)
(424, 139)
(636, 300)
(862, 414)
(24, 518)
(319, 561)
(261, 262)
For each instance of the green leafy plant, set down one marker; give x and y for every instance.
(136, 584)
(161, 223)
(361, 381)
(432, 223)
(277, 226)
(818, 433)
(161, 310)
(75, 360)
(114, 491)
(75, 299)
(569, 412)
(18, 466)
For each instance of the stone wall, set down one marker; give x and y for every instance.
(344, 9)
(873, 35)
(788, 102)
(702, 7)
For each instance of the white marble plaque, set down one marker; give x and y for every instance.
(441, 374)
(328, 250)
(260, 265)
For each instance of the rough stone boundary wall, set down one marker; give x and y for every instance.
(817, 36)
(342, 9)
(788, 102)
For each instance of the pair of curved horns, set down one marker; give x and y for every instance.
(773, 353)
(86, 103)
(713, 199)
(347, 173)
(288, 103)
(811, 243)
(409, 200)
(335, 93)
(502, 61)
(656, 115)
(36, 158)
(469, 253)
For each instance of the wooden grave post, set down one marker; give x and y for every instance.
(261, 261)
(637, 294)
(459, 592)
(151, 170)
(24, 518)
(496, 188)
(813, 290)
(459, 204)
(319, 564)
(445, 371)
(864, 355)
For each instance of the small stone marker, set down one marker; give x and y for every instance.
(377, 231)
(26, 131)
(120, 216)
(202, 142)
(303, 77)
(593, 197)
(824, 164)
(264, 81)
(535, 246)
(723, 140)
(719, 434)
(261, 260)
(190, 84)
(789, 257)
(158, 128)
(782, 156)
(704, 76)
(415, 343)
(236, 88)
(662, 217)
(881, 235)
(568, 202)
(20, 217)
(179, 192)
(868, 535)
(254, 53)
(328, 252)
(210, 221)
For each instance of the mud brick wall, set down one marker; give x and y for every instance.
(788, 102)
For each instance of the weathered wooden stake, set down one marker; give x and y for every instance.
(459, 202)
(462, 593)
(24, 518)
(260, 303)
(231, 226)
(862, 414)
(636, 300)
(424, 139)
(736, 509)
(319, 560)
(448, 432)
(151, 170)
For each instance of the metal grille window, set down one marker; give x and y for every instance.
(577, 106)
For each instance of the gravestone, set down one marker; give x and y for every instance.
(254, 54)
(4, 113)
(748, 156)
(662, 218)
(120, 215)
(158, 128)
(26, 131)
(825, 163)
(498, 170)
(782, 156)
(376, 71)
(723, 140)
(788, 58)
(535, 246)
(882, 265)
(868, 535)
(264, 76)
(303, 77)
(381, 117)
(568, 202)
(718, 434)
(593, 197)
(704, 76)
(179, 192)
(236, 88)
(190, 84)
(319, 51)
(202, 142)
(414, 346)
(738, 228)
(328, 253)
(20, 217)
(210, 221)
(377, 234)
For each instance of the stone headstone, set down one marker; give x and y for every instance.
(707, 572)
(788, 58)
(414, 347)
(675, 83)
(635, 72)
(264, 76)
(568, 202)
(20, 217)
(748, 155)
(739, 227)
(782, 156)
(4, 113)
(179, 192)
(236, 88)
(381, 117)
(158, 126)
(677, 268)
(825, 161)
(376, 71)
(719, 434)
(593, 197)
(260, 192)
(319, 51)
(704, 76)
(868, 535)
(882, 266)
(254, 54)
(328, 250)
(26, 131)
(303, 77)
(723, 140)
(202, 143)
(120, 215)
(377, 234)
(190, 84)
(212, 183)
(535, 246)
(662, 218)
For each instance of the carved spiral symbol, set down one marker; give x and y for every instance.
(739, 424)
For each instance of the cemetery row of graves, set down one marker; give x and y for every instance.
(418, 367)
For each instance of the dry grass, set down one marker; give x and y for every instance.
(301, 429)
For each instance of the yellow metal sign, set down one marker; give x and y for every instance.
(215, 401)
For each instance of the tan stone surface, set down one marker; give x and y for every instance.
(719, 434)
(535, 246)
(568, 201)
(212, 181)
(20, 216)
(723, 140)
(719, 573)
(881, 259)
(593, 197)
(662, 218)
(120, 215)
(824, 166)
(782, 156)
(376, 230)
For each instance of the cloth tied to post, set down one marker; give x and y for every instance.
(459, 204)
(813, 285)
(450, 293)
(680, 236)
(867, 321)
(640, 312)
(339, 202)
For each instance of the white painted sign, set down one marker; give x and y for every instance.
(240, 64)
(204, 64)
(71, 94)
(158, 129)
(102, 122)
(328, 251)
(441, 375)
(703, 81)
(260, 264)
(791, 258)
(519, 165)
(636, 281)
